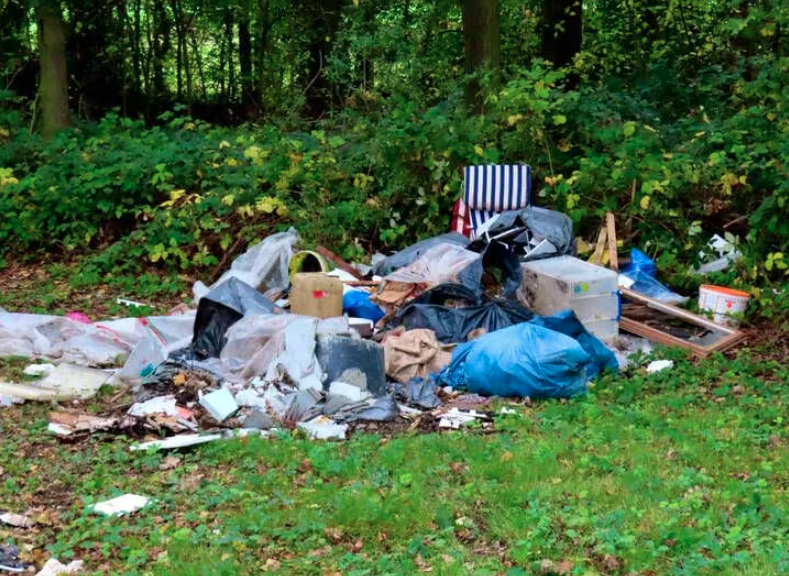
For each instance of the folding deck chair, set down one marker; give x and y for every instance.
(489, 190)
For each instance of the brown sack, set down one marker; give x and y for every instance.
(414, 353)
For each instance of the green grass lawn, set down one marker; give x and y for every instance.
(683, 472)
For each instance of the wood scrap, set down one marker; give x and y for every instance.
(599, 249)
(339, 262)
(610, 225)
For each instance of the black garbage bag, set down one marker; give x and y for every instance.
(409, 255)
(220, 309)
(542, 224)
(452, 311)
(499, 269)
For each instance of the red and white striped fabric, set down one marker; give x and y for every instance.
(489, 190)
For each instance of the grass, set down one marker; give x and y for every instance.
(682, 472)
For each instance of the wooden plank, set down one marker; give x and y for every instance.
(610, 225)
(730, 336)
(599, 249)
(339, 262)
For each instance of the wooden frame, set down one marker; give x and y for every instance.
(729, 336)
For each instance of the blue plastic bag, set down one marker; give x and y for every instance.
(549, 357)
(356, 304)
(642, 271)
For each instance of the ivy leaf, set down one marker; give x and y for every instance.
(644, 202)
(559, 119)
(478, 149)
(629, 129)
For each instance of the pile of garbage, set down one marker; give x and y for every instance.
(301, 339)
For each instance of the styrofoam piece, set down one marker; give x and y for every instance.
(175, 442)
(624, 281)
(659, 366)
(59, 429)
(456, 418)
(158, 405)
(249, 397)
(125, 504)
(220, 404)
(323, 428)
(351, 392)
(54, 567)
(38, 369)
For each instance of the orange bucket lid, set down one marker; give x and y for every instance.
(726, 291)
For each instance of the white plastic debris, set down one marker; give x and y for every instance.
(322, 428)
(38, 369)
(349, 391)
(505, 410)
(7, 401)
(125, 504)
(61, 382)
(456, 418)
(53, 567)
(659, 365)
(175, 442)
(220, 404)
(16, 520)
(59, 429)
(158, 405)
(264, 263)
(129, 303)
(249, 397)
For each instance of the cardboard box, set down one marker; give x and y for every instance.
(316, 294)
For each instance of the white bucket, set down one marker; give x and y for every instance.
(723, 303)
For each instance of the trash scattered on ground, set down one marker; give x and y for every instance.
(125, 504)
(419, 340)
(54, 567)
(16, 520)
(176, 442)
(659, 366)
(9, 559)
(726, 251)
(456, 417)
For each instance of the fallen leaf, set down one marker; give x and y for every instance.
(271, 565)
(357, 546)
(506, 457)
(179, 379)
(169, 463)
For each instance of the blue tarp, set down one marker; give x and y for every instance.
(547, 357)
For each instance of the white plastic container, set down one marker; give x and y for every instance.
(605, 330)
(723, 303)
(555, 284)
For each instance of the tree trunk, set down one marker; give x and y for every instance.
(483, 54)
(562, 32)
(262, 28)
(318, 89)
(245, 60)
(53, 87)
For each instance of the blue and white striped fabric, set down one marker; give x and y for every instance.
(495, 188)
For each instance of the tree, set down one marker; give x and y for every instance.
(318, 88)
(483, 53)
(562, 33)
(53, 85)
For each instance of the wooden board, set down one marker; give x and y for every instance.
(729, 336)
(610, 225)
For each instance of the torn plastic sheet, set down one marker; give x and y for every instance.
(61, 382)
(642, 272)
(420, 392)
(354, 361)
(414, 252)
(382, 409)
(441, 263)
(264, 266)
(452, 311)
(222, 307)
